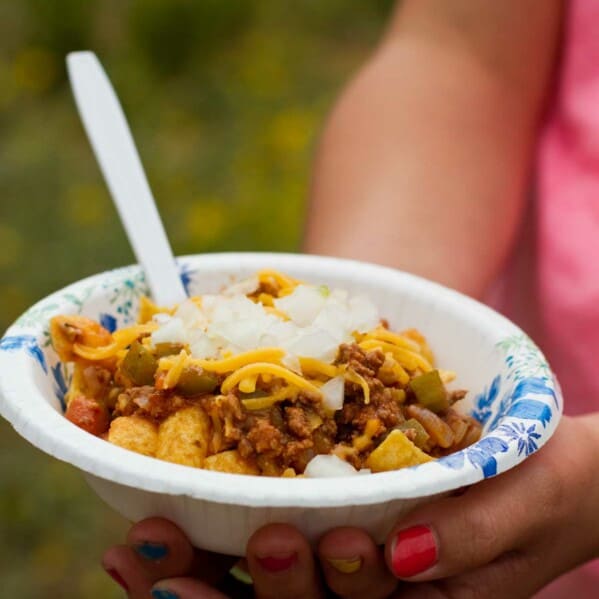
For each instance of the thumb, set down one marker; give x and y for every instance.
(458, 534)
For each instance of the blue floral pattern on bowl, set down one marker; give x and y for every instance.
(26, 343)
(62, 380)
(527, 397)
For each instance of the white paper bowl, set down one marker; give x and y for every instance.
(511, 391)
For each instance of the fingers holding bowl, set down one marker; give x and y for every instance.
(456, 535)
(162, 549)
(353, 566)
(281, 564)
(122, 565)
(184, 588)
(165, 552)
(157, 550)
(498, 516)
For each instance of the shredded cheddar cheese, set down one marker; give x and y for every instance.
(148, 309)
(259, 367)
(384, 335)
(120, 340)
(266, 354)
(311, 366)
(266, 300)
(365, 440)
(261, 403)
(277, 313)
(354, 377)
(228, 364)
(174, 372)
(409, 359)
(248, 384)
(282, 280)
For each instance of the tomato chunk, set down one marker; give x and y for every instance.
(88, 414)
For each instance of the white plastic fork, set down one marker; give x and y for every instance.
(113, 145)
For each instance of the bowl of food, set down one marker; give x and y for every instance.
(287, 388)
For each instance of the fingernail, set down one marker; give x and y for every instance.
(117, 578)
(164, 594)
(414, 551)
(151, 551)
(241, 574)
(277, 563)
(346, 565)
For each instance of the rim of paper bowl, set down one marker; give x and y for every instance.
(46, 428)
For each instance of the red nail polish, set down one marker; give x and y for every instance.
(414, 551)
(277, 563)
(117, 578)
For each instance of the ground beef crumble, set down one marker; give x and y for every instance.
(289, 434)
(149, 402)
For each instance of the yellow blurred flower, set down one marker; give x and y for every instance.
(14, 300)
(86, 205)
(262, 70)
(35, 69)
(291, 130)
(94, 583)
(8, 88)
(11, 246)
(206, 220)
(179, 135)
(51, 560)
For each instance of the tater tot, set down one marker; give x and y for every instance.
(229, 461)
(183, 437)
(395, 452)
(134, 433)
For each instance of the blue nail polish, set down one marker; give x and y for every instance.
(151, 551)
(164, 594)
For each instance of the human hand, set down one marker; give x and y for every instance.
(159, 562)
(507, 536)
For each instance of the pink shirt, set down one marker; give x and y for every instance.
(568, 257)
(564, 314)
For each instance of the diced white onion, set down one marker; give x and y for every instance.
(339, 295)
(243, 287)
(209, 302)
(303, 305)
(292, 362)
(142, 401)
(202, 346)
(319, 323)
(329, 466)
(313, 343)
(172, 331)
(190, 314)
(278, 332)
(363, 314)
(244, 333)
(161, 318)
(334, 319)
(333, 393)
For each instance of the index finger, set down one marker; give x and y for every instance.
(164, 551)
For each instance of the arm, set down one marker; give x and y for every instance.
(425, 160)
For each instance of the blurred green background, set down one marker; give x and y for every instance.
(225, 99)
